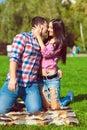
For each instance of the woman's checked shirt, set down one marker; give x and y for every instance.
(50, 56)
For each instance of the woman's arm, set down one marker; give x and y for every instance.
(47, 51)
(37, 32)
(40, 42)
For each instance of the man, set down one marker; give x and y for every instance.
(21, 80)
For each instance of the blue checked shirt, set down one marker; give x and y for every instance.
(26, 52)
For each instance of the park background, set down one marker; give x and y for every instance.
(15, 17)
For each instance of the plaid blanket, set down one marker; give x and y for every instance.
(18, 115)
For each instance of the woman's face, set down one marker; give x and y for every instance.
(50, 29)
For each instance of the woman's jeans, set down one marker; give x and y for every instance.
(54, 83)
(30, 96)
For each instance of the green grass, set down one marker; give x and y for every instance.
(74, 78)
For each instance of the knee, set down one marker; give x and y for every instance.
(3, 111)
(37, 109)
(34, 109)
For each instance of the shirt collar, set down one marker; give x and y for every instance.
(31, 35)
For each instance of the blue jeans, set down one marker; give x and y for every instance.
(54, 83)
(30, 96)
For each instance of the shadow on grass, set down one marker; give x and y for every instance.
(80, 97)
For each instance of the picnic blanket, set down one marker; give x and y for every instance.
(18, 115)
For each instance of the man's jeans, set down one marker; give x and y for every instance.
(30, 96)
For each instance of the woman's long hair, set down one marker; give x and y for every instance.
(59, 34)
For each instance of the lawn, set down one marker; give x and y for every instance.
(74, 78)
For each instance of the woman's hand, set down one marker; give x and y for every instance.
(36, 31)
(60, 73)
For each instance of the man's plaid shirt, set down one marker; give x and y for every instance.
(26, 52)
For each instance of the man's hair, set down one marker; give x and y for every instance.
(38, 20)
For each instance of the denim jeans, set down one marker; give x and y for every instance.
(30, 96)
(54, 83)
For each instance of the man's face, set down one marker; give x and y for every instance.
(44, 29)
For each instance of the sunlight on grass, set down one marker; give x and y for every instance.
(74, 78)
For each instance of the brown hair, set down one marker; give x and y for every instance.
(38, 20)
(59, 34)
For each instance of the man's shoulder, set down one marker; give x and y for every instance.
(24, 34)
(27, 34)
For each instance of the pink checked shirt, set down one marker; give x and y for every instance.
(50, 55)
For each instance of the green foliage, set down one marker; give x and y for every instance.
(16, 15)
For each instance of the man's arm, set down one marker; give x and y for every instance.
(17, 49)
(13, 83)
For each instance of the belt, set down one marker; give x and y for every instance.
(49, 77)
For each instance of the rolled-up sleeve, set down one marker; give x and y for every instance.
(17, 47)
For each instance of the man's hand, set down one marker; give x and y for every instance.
(12, 86)
(60, 73)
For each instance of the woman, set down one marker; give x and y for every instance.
(53, 49)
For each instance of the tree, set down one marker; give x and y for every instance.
(16, 15)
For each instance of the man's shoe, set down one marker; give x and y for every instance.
(71, 95)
